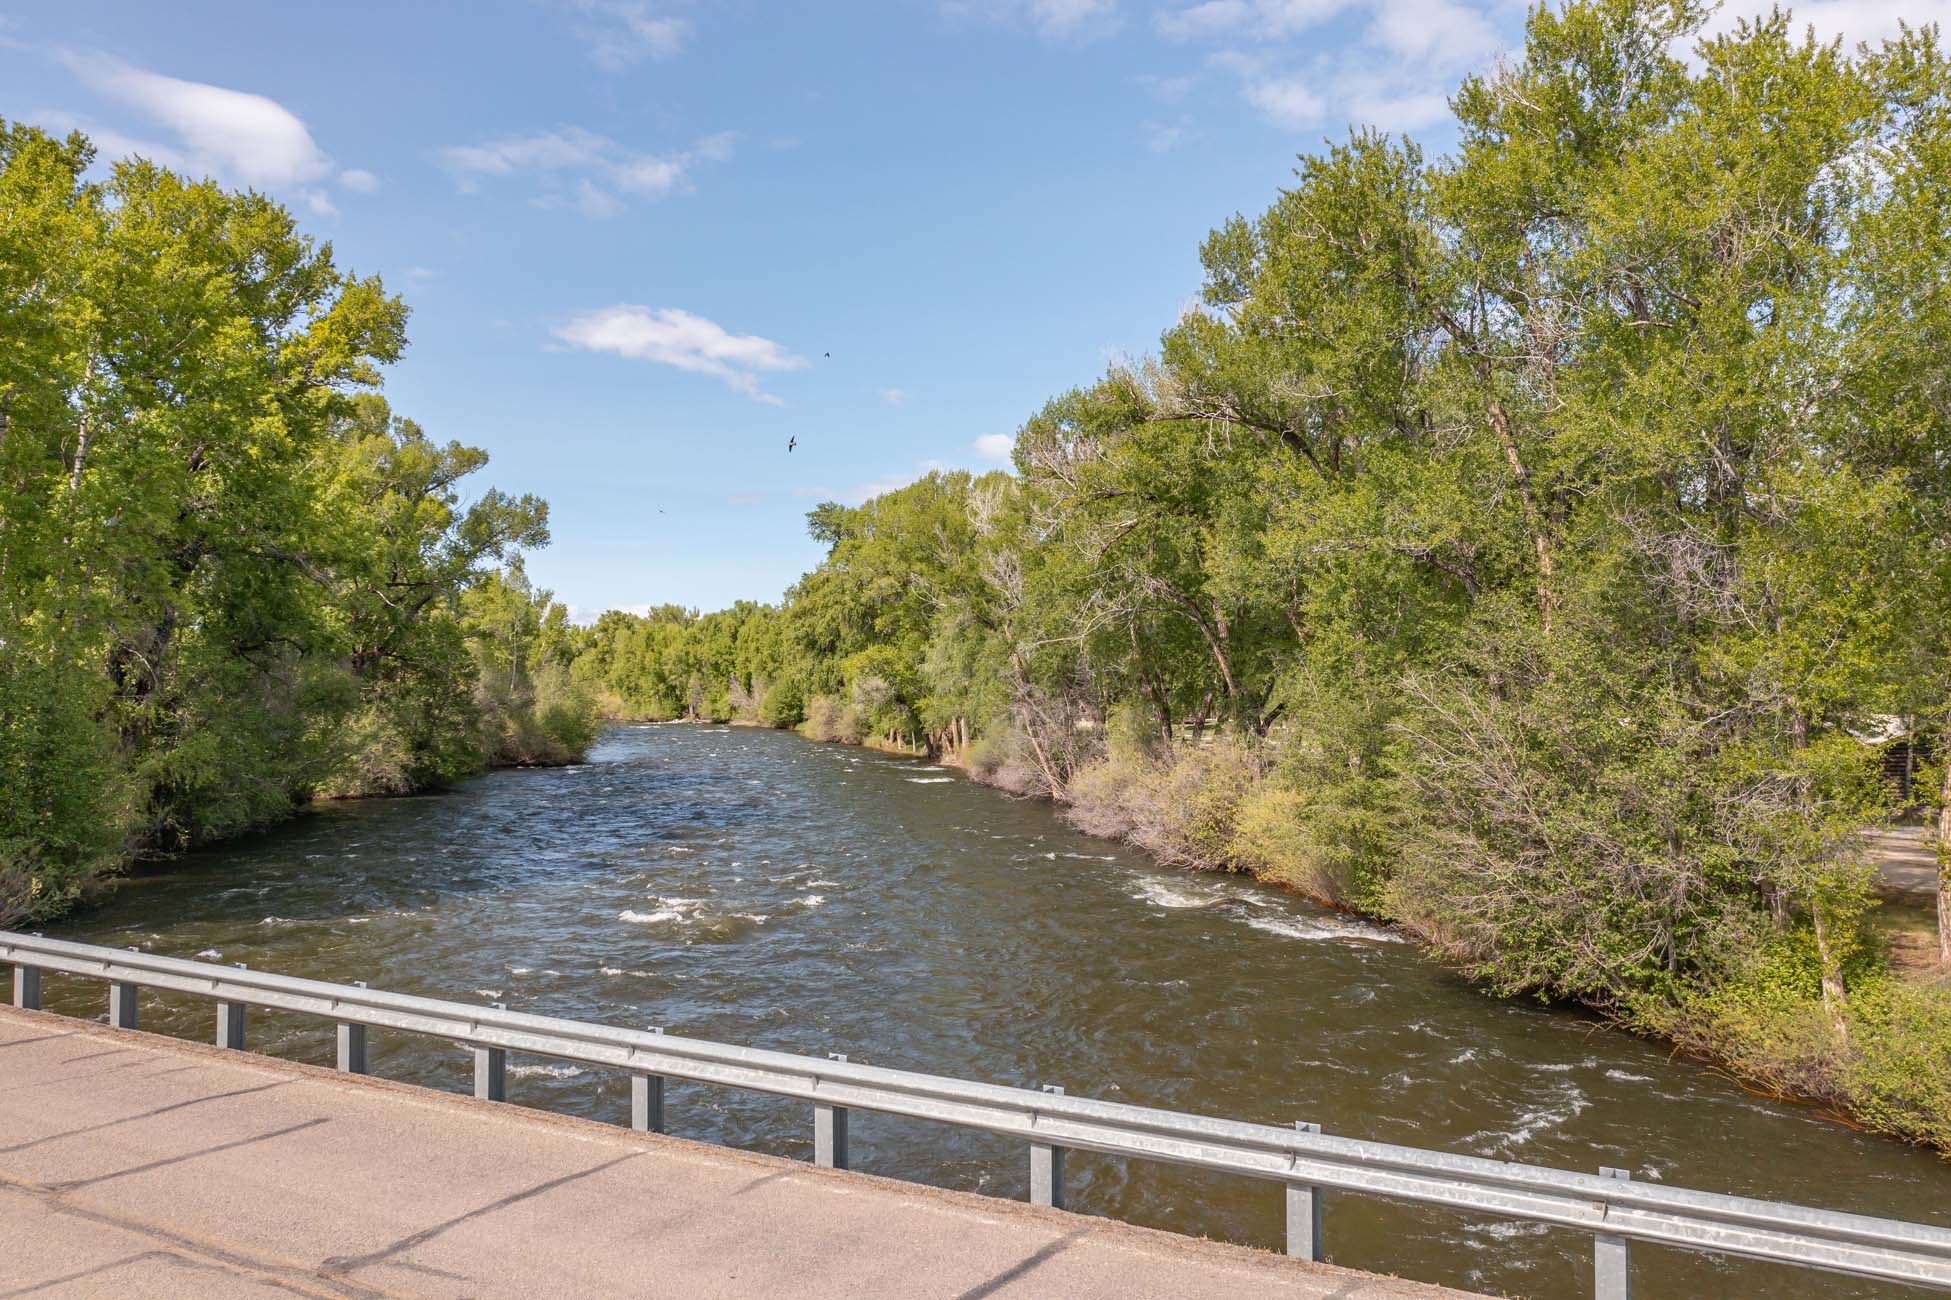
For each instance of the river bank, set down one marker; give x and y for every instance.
(1884, 1064)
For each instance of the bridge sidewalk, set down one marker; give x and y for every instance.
(137, 1166)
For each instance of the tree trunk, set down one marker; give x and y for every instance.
(1832, 973)
(1540, 540)
(1199, 718)
(1943, 847)
(1154, 685)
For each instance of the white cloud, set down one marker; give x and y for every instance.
(579, 168)
(623, 33)
(1392, 63)
(1436, 34)
(572, 147)
(1399, 110)
(596, 203)
(997, 447)
(1167, 90)
(1202, 21)
(894, 396)
(1163, 137)
(110, 144)
(1287, 102)
(670, 336)
(716, 148)
(1066, 18)
(1256, 20)
(1853, 20)
(233, 133)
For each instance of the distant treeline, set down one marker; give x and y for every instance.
(1514, 546)
(230, 578)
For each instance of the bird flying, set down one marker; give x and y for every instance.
(791, 443)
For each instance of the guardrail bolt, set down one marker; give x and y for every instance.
(1047, 1166)
(1304, 1213)
(1612, 1264)
(830, 1129)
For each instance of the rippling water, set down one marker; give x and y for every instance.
(750, 887)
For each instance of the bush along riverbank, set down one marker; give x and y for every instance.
(231, 578)
(1532, 547)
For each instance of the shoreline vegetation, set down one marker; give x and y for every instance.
(232, 580)
(1538, 548)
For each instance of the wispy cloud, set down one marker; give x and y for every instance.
(670, 336)
(999, 448)
(1852, 20)
(620, 34)
(1396, 70)
(1054, 20)
(1257, 20)
(580, 169)
(235, 135)
(894, 396)
(1163, 137)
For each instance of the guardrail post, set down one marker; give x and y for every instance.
(491, 1069)
(352, 1043)
(27, 987)
(1304, 1213)
(1047, 1167)
(830, 1130)
(647, 1100)
(121, 1005)
(230, 1022)
(1612, 1264)
(491, 1073)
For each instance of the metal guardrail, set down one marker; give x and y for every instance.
(1616, 1210)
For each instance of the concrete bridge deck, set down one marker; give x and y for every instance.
(136, 1166)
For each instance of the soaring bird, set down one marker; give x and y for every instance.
(791, 443)
(829, 356)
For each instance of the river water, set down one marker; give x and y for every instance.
(750, 887)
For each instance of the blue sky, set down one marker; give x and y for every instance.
(632, 232)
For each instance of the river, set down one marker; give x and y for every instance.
(751, 887)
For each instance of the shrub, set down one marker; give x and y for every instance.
(782, 705)
(372, 758)
(831, 719)
(1272, 840)
(1898, 1074)
(1181, 807)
